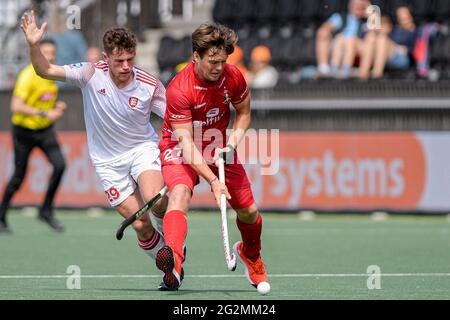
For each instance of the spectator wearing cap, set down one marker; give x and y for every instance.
(262, 75)
(237, 59)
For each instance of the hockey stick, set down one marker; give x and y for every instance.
(128, 221)
(230, 258)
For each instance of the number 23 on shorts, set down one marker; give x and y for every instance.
(172, 155)
(112, 194)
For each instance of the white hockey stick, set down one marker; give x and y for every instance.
(230, 258)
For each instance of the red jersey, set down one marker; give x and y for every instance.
(206, 105)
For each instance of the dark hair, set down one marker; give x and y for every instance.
(213, 35)
(47, 41)
(119, 39)
(410, 9)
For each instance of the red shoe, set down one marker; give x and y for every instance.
(254, 270)
(170, 264)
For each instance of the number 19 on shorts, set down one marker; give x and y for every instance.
(112, 194)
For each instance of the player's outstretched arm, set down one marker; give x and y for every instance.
(34, 35)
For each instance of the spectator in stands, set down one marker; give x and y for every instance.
(237, 59)
(72, 47)
(347, 41)
(262, 75)
(93, 55)
(391, 47)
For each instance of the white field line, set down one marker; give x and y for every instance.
(274, 232)
(304, 275)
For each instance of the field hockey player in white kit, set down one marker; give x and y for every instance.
(118, 99)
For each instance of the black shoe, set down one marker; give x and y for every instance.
(173, 270)
(51, 222)
(163, 287)
(4, 229)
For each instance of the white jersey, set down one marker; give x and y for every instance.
(117, 120)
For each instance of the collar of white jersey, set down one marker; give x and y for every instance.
(133, 84)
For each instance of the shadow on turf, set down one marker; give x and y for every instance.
(179, 292)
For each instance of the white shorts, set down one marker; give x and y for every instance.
(119, 178)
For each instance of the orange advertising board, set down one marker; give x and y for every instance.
(339, 171)
(323, 171)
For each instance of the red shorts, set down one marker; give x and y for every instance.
(235, 179)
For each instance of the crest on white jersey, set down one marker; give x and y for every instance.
(133, 102)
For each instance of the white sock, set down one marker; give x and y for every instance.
(324, 68)
(157, 222)
(152, 246)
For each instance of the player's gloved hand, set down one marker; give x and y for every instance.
(227, 154)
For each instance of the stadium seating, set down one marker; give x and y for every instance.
(285, 11)
(173, 51)
(223, 12)
(423, 10)
(265, 11)
(328, 7)
(440, 51)
(288, 28)
(307, 12)
(442, 11)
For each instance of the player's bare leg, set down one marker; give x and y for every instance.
(148, 238)
(170, 258)
(150, 183)
(248, 251)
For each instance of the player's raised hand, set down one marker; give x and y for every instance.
(33, 34)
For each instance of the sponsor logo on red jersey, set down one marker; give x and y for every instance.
(200, 88)
(213, 113)
(177, 117)
(213, 116)
(200, 106)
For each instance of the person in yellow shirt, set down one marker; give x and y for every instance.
(35, 109)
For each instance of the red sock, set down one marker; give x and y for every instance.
(251, 237)
(175, 230)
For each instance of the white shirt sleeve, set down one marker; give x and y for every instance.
(79, 74)
(158, 103)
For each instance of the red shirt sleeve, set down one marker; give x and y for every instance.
(178, 106)
(240, 88)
